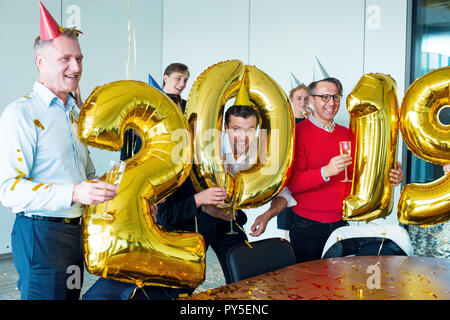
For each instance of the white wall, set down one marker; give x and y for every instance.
(17, 71)
(277, 36)
(201, 33)
(385, 51)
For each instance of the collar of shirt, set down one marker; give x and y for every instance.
(321, 125)
(247, 160)
(50, 99)
(244, 161)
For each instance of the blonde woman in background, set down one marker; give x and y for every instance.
(299, 99)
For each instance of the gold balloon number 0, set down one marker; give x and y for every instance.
(130, 247)
(374, 121)
(204, 110)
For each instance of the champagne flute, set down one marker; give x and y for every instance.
(113, 176)
(233, 212)
(345, 147)
(221, 178)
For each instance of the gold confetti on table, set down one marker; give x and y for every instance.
(402, 278)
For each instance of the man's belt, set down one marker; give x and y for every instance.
(75, 221)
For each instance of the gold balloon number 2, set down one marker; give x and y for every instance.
(130, 247)
(374, 121)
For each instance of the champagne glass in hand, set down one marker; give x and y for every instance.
(345, 148)
(233, 212)
(113, 176)
(221, 178)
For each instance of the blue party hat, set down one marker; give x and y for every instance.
(153, 83)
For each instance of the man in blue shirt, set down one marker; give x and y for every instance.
(45, 172)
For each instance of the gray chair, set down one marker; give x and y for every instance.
(264, 256)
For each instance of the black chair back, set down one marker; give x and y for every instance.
(263, 256)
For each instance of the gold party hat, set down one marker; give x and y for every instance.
(242, 98)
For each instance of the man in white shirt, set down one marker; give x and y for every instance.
(45, 172)
(241, 152)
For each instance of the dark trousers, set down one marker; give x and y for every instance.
(284, 219)
(48, 258)
(214, 232)
(308, 237)
(109, 289)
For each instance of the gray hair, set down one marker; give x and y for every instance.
(71, 33)
(313, 85)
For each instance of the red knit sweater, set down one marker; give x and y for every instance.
(316, 198)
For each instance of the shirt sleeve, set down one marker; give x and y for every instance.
(178, 207)
(18, 138)
(286, 194)
(325, 178)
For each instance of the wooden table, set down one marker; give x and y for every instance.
(346, 278)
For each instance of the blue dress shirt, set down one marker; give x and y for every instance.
(42, 157)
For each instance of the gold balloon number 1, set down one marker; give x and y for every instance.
(374, 117)
(374, 121)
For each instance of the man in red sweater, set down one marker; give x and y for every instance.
(317, 174)
(318, 171)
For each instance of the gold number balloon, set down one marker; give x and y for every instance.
(204, 111)
(129, 247)
(426, 203)
(373, 110)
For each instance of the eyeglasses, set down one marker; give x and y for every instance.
(327, 97)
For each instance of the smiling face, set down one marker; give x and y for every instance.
(299, 101)
(241, 132)
(175, 82)
(325, 111)
(60, 66)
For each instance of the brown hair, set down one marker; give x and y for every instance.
(300, 86)
(243, 111)
(175, 67)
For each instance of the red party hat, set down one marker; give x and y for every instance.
(49, 28)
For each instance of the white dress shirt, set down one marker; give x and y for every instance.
(246, 160)
(42, 157)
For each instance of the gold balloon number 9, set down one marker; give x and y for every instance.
(428, 138)
(373, 108)
(130, 247)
